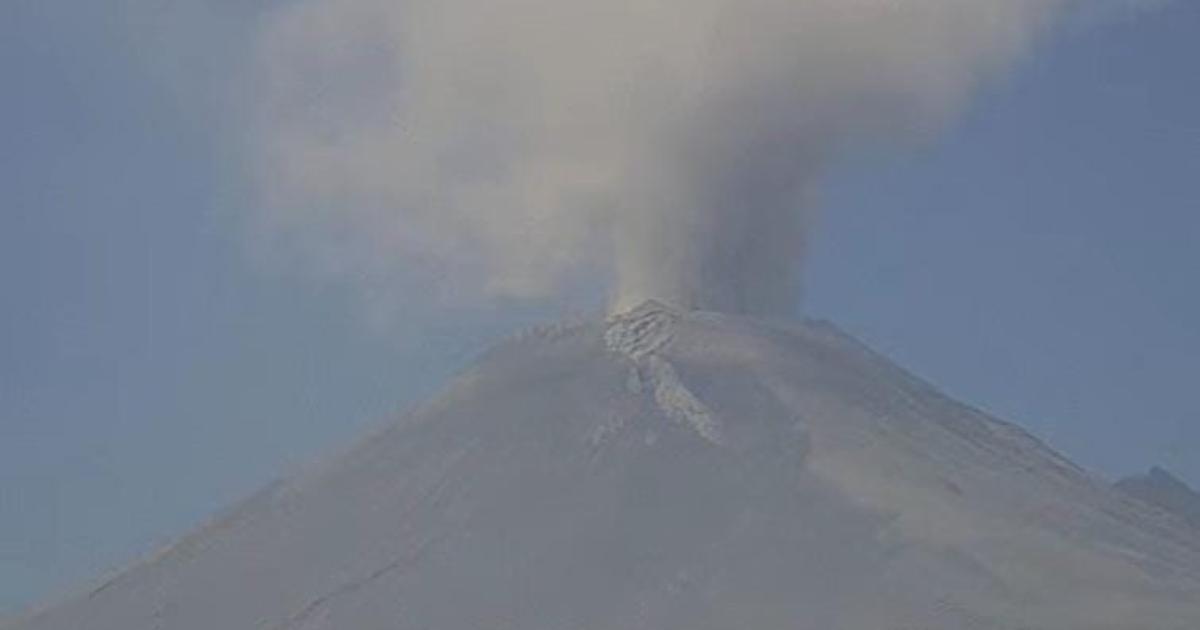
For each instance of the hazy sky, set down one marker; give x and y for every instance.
(1039, 261)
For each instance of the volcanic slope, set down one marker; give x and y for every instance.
(675, 471)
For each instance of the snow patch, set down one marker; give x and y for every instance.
(642, 331)
(678, 402)
(639, 335)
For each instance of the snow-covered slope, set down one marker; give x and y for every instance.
(675, 471)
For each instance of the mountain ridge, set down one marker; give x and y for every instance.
(1163, 490)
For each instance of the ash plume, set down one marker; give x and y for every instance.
(670, 148)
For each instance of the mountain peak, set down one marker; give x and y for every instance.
(641, 331)
(1164, 490)
(668, 470)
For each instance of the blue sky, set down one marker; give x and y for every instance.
(1039, 261)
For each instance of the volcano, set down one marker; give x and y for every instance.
(667, 470)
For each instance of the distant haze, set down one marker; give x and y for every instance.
(667, 147)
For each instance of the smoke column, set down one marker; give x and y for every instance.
(506, 147)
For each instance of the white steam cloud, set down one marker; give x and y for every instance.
(509, 146)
